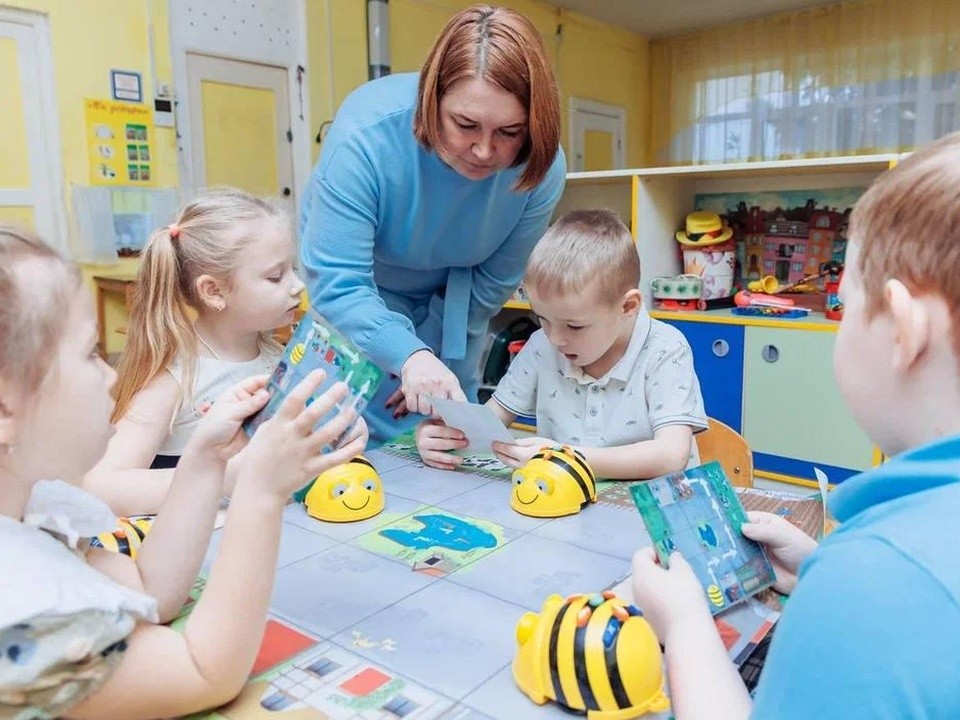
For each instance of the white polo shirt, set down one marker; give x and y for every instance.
(652, 386)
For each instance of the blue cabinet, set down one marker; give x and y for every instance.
(718, 360)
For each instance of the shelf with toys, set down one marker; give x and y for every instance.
(767, 375)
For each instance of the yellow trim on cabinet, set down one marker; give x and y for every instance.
(516, 305)
(705, 317)
(789, 479)
(878, 457)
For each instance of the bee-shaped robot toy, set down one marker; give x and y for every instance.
(554, 482)
(346, 493)
(127, 538)
(591, 654)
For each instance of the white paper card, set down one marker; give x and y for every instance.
(478, 422)
(823, 482)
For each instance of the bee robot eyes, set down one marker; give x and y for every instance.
(554, 482)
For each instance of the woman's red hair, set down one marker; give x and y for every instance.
(503, 47)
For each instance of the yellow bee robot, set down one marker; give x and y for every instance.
(554, 482)
(346, 493)
(127, 538)
(592, 654)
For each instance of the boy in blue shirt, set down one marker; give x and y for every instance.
(873, 627)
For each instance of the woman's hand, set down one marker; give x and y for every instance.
(518, 453)
(435, 440)
(787, 546)
(424, 376)
(218, 432)
(398, 402)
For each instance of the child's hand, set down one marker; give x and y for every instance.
(518, 452)
(786, 544)
(287, 451)
(219, 429)
(434, 441)
(669, 598)
(360, 432)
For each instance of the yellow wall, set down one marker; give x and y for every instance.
(593, 61)
(334, 72)
(88, 39)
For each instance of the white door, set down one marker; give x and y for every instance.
(31, 190)
(597, 136)
(240, 126)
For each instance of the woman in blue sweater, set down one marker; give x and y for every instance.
(430, 192)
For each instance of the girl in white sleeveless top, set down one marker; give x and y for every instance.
(78, 626)
(211, 287)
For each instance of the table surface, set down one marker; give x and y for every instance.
(376, 620)
(357, 632)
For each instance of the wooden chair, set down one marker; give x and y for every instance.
(722, 443)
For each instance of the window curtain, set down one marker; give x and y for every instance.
(861, 77)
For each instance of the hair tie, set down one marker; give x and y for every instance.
(174, 230)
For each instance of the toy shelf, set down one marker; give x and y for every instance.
(657, 200)
(814, 321)
(769, 378)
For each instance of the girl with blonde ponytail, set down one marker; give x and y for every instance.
(211, 287)
(79, 626)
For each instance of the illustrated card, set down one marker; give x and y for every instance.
(485, 464)
(697, 513)
(478, 422)
(317, 344)
(435, 542)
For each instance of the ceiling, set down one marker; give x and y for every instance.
(654, 18)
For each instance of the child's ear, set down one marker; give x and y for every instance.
(911, 324)
(210, 292)
(632, 302)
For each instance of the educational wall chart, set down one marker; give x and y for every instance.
(120, 143)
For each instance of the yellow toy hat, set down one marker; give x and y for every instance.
(704, 229)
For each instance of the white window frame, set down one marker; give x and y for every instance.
(46, 192)
(825, 119)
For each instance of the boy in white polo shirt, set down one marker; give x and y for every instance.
(600, 375)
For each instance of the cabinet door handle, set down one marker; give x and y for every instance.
(721, 348)
(770, 353)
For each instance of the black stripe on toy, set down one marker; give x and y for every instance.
(613, 673)
(552, 655)
(580, 666)
(363, 461)
(576, 476)
(586, 467)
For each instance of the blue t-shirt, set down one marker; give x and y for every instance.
(873, 628)
(403, 253)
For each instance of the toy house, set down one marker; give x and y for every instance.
(793, 249)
